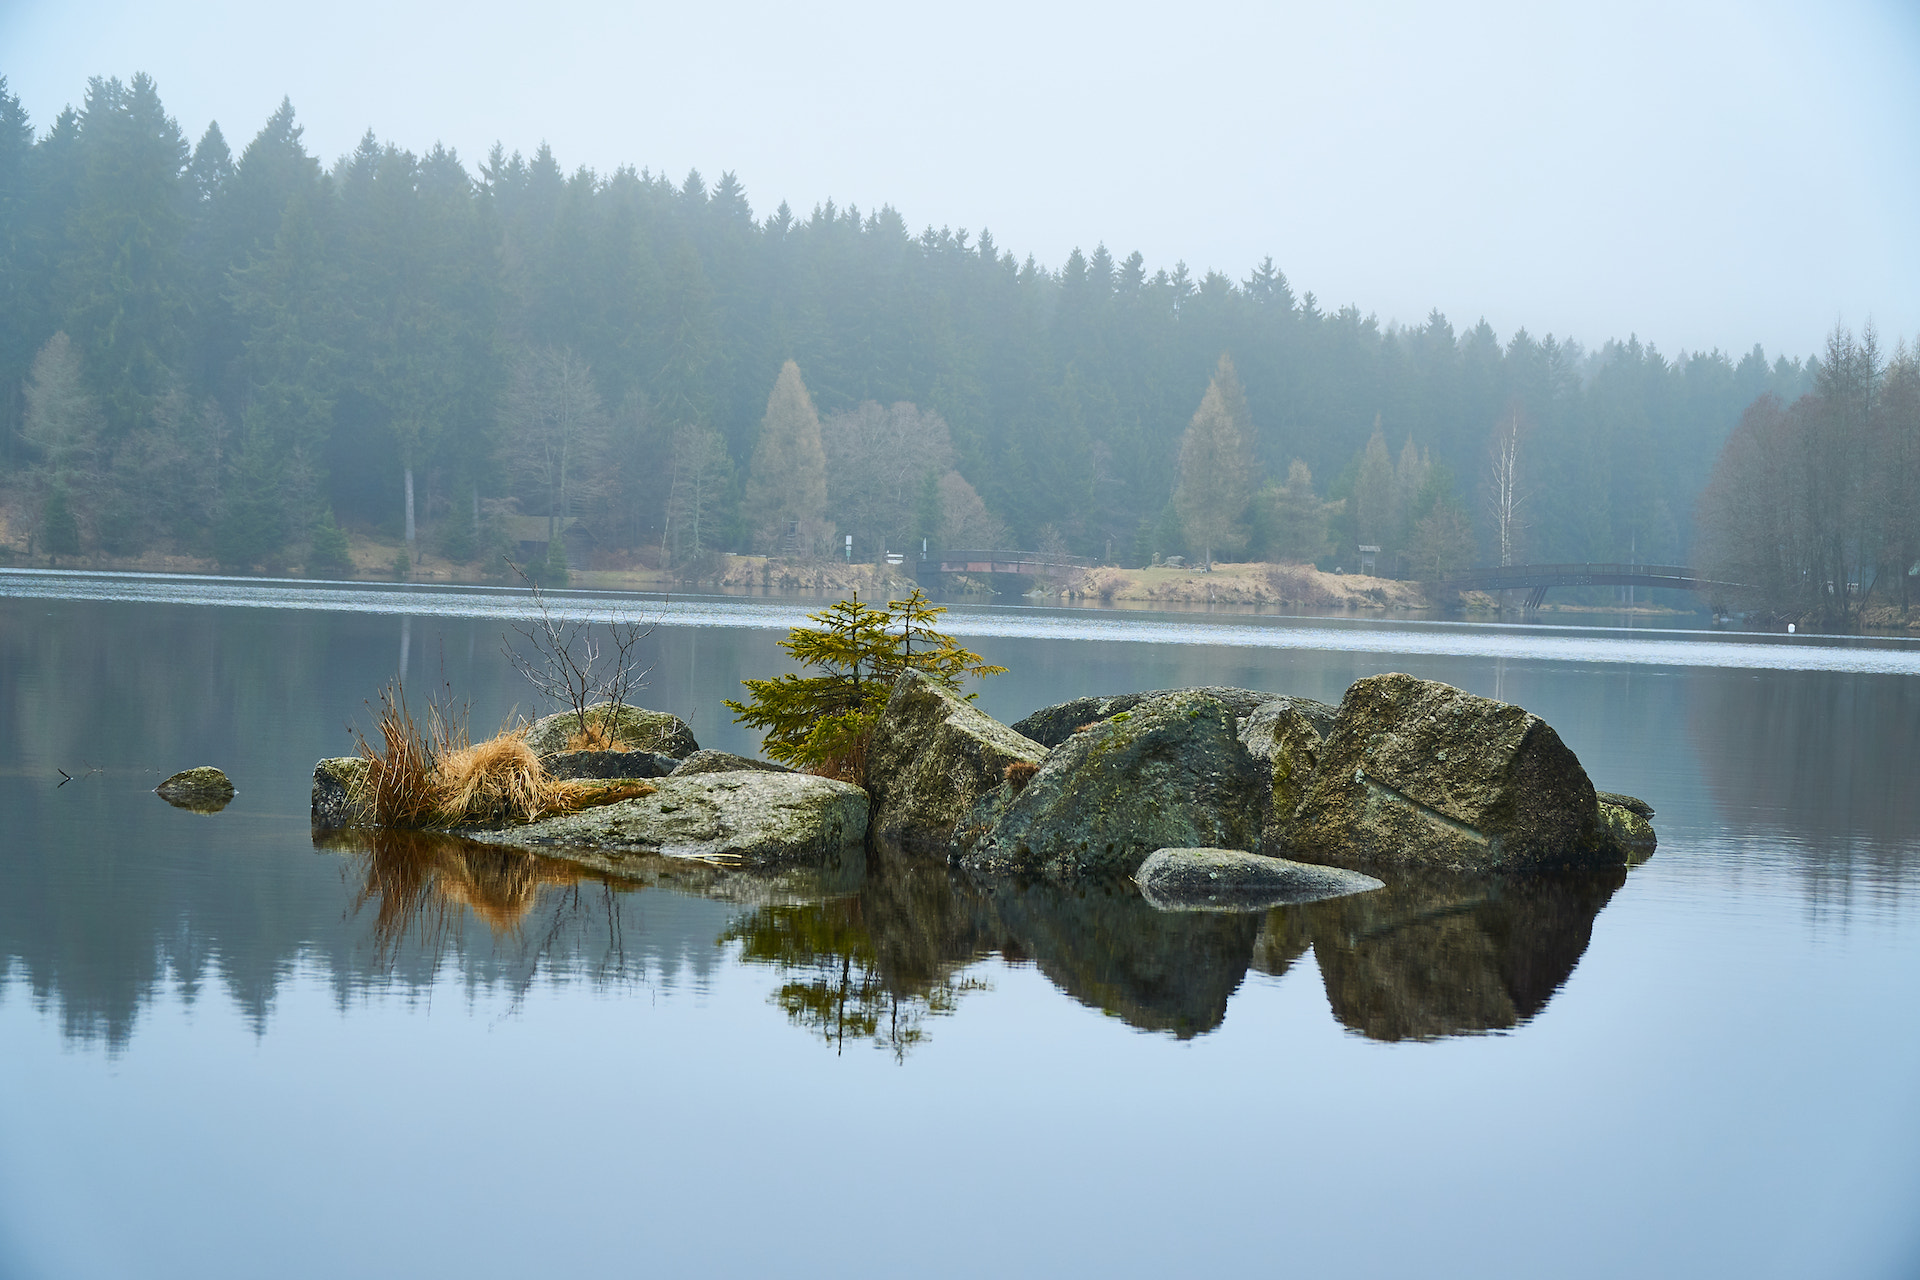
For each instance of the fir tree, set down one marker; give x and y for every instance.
(1214, 470)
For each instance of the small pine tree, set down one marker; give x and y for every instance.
(61, 530)
(330, 553)
(823, 722)
(401, 565)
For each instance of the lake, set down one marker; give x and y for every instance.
(229, 1050)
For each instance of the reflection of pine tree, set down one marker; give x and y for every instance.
(59, 528)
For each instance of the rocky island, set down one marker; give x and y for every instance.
(1216, 798)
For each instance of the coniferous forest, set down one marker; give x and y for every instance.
(235, 350)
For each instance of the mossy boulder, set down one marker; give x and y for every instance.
(1234, 880)
(1170, 774)
(743, 818)
(1286, 736)
(1420, 773)
(204, 790)
(338, 786)
(1051, 726)
(1625, 829)
(634, 728)
(708, 760)
(931, 755)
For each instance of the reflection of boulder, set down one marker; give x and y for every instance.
(1171, 773)
(1435, 955)
(1105, 946)
(1419, 773)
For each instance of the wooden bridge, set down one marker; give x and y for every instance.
(1537, 579)
(1031, 563)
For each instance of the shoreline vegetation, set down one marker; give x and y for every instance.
(372, 557)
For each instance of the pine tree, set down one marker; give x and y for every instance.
(59, 531)
(330, 553)
(787, 484)
(1215, 471)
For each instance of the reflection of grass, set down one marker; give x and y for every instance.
(417, 882)
(435, 778)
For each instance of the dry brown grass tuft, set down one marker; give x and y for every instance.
(1021, 772)
(597, 737)
(436, 779)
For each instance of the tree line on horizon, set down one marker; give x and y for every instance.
(236, 355)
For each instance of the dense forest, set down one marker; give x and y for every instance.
(238, 355)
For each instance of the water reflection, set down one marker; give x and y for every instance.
(1423, 959)
(1435, 956)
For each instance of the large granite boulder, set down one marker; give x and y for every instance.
(1421, 773)
(635, 729)
(742, 818)
(1051, 726)
(1233, 880)
(931, 756)
(1285, 735)
(336, 801)
(1171, 773)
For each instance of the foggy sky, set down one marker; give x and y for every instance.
(1704, 175)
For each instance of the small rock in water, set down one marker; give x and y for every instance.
(1232, 880)
(203, 790)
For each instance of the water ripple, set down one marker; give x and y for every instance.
(1542, 643)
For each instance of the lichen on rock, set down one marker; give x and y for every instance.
(339, 799)
(1418, 772)
(1286, 735)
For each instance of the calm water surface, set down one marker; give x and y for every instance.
(227, 1051)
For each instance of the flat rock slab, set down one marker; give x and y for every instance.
(1232, 880)
(636, 728)
(743, 818)
(707, 760)
(204, 790)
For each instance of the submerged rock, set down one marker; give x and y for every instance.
(1286, 735)
(932, 754)
(1418, 772)
(1232, 880)
(609, 764)
(204, 790)
(335, 784)
(1170, 774)
(707, 760)
(635, 728)
(746, 817)
(1051, 726)
(1631, 804)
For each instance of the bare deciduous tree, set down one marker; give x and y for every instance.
(1505, 496)
(556, 433)
(563, 658)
